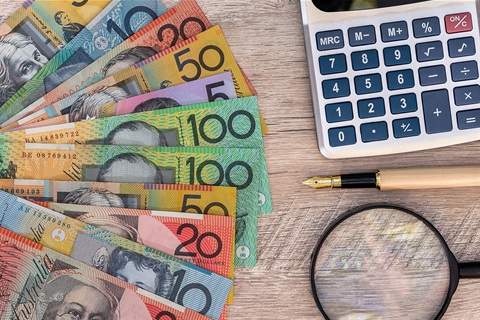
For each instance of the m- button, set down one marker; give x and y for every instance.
(360, 36)
(329, 40)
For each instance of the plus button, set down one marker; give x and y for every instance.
(437, 112)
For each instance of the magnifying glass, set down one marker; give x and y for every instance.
(385, 262)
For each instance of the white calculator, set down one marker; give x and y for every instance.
(394, 78)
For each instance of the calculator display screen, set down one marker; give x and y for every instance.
(352, 5)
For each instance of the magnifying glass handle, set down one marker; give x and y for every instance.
(469, 270)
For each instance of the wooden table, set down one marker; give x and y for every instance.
(267, 40)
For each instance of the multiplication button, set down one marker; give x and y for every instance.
(335, 63)
(343, 136)
(336, 88)
(467, 95)
(462, 47)
(426, 27)
(360, 36)
(403, 128)
(394, 31)
(463, 71)
(469, 119)
(436, 111)
(329, 40)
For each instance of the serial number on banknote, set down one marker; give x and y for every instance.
(21, 191)
(49, 155)
(53, 136)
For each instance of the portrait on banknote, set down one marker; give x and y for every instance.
(140, 133)
(127, 58)
(94, 197)
(70, 28)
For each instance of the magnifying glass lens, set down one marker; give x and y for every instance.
(381, 263)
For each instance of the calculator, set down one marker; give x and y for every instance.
(393, 79)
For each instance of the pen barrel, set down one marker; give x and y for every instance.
(429, 178)
(358, 180)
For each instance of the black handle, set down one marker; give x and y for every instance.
(359, 180)
(469, 270)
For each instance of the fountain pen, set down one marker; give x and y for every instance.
(403, 179)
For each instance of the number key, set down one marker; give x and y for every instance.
(395, 56)
(362, 60)
(371, 108)
(336, 63)
(336, 88)
(368, 84)
(402, 79)
(342, 136)
(337, 112)
(403, 103)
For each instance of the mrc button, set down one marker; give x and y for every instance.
(329, 40)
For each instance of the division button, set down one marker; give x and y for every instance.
(459, 22)
(375, 131)
(463, 71)
(403, 128)
(432, 75)
(468, 119)
(394, 31)
(360, 36)
(462, 47)
(343, 136)
(426, 27)
(429, 51)
(329, 40)
(467, 95)
(436, 111)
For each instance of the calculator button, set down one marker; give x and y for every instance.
(462, 47)
(463, 71)
(362, 60)
(337, 112)
(469, 119)
(375, 131)
(336, 63)
(342, 136)
(467, 95)
(329, 40)
(336, 88)
(436, 110)
(430, 76)
(426, 27)
(403, 103)
(402, 79)
(429, 51)
(395, 56)
(394, 31)
(408, 127)
(370, 83)
(360, 36)
(459, 22)
(371, 108)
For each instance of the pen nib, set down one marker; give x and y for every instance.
(319, 182)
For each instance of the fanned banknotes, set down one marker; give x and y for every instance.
(208, 89)
(241, 168)
(99, 36)
(179, 281)
(40, 283)
(34, 34)
(225, 123)
(180, 22)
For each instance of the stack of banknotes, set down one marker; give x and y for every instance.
(132, 167)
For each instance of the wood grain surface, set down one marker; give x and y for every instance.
(267, 39)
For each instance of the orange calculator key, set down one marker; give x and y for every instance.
(458, 22)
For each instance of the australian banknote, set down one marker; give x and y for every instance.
(40, 283)
(99, 36)
(162, 274)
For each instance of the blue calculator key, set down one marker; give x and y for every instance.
(337, 112)
(371, 108)
(463, 71)
(375, 131)
(394, 31)
(344, 136)
(367, 59)
(467, 95)
(462, 47)
(395, 56)
(429, 51)
(408, 127)
(403, 103)
(335, 63)
(336, 88)
(430, 76)
(426, 27)
(329, 40)
(436, 111)
(360, 36)
(370, 83)
(402, 79)
(469, 119)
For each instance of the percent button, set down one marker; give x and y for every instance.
(459, 22)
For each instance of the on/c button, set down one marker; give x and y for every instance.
(458, 22)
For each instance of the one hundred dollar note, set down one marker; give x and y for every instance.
(200, 56)
(40, 283)
(161, 274)
(216, 200)
(224, 123)
(99, 36)
(208, 89)
(180, 22)
(34, 34)
(240, 168)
